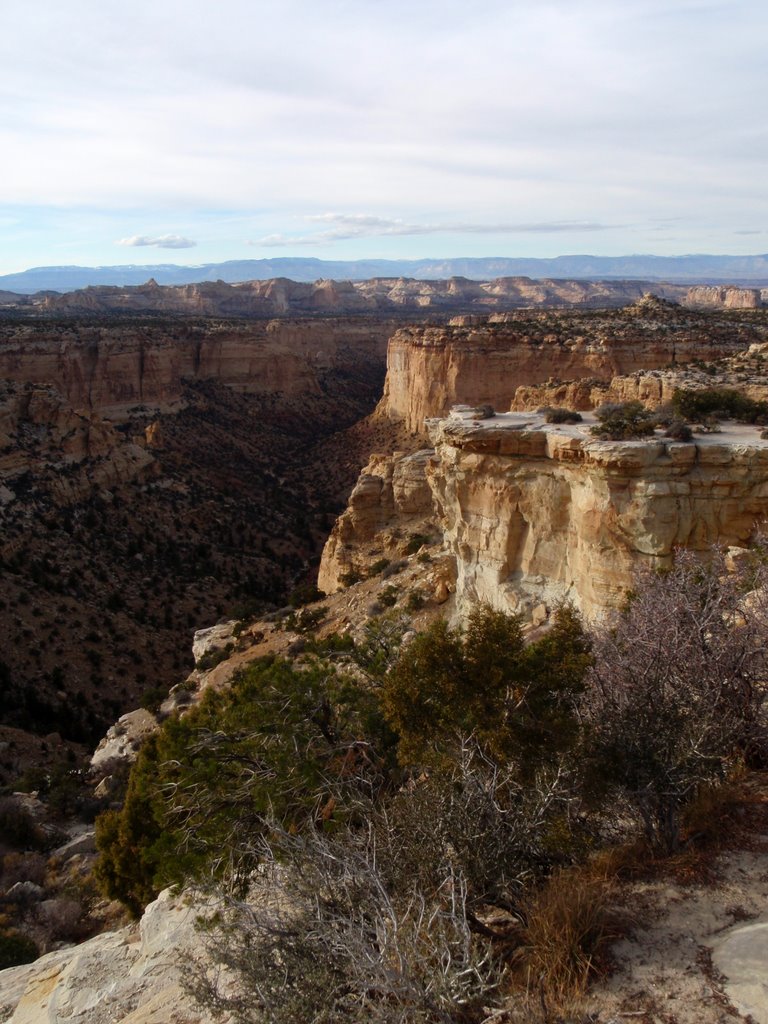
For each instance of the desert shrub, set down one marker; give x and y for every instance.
(678, 430)
(721, 403)
(214, 657)
(398, 897)
(305, 620)
(395, 956)
(552, 415)
(623, 421)
(414, 601)
(393, 569)
(478, 818)
(17, 826)
(282, 743)
(22, 867)
(16, 949)
(152, 698)
(305, 593)
(350, 577)
(570, 922)
(416, 541)
(673, 695)
(483, 412)
(516, 699)
(378, 566)
(388, 596)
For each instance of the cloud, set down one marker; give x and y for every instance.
(160, 242)
(364, 225)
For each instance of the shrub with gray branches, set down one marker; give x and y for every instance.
(676, 692)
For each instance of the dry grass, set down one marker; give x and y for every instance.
(570, 923)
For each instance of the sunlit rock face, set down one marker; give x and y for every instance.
(430, 369)
(536, 513)
(111, 368)
(390, 487)
(728, 297)
(132, 975)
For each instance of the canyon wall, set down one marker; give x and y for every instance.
(430, 369)
(536, 514)
(112, 367)
(533, 514)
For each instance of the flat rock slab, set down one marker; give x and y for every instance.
(742, 958)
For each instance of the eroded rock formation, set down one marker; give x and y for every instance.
(132, 975)
(536, 513)
(392, 490)
(113, 368)
(430, 369)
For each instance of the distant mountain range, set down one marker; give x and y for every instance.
(748, 270)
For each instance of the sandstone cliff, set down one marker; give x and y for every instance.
(392, 491)
(430, 369)
(533, 514)
(67, 455)
(281, 296)
(114, 367)
(536, 514)
(715, 297)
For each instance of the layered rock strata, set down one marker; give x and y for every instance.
(430, 369)
(68, 454)
(538, 514)
(391, 491)
(114, 368)
(281, 296)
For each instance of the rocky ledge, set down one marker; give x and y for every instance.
(535, 513)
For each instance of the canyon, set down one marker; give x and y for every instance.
(159, 474)
(156, 473)
(153, 475)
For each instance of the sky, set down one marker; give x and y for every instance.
(163, 131)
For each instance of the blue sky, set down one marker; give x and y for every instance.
(184, 132)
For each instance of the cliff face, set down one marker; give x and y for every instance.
(392, 491)
(430, 369)
(111, 368)
(281, 296)
(714, 297)
(534, 514)
(69, 454)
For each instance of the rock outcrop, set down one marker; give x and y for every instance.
(430, 369)
(131, 976)
(728, 297)
(61, 452)
(538, 514)
(392, 490)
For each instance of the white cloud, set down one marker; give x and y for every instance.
(543, 122)
(363, 225)
(160, 242)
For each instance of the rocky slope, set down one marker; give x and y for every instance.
(471, 361)
(210, 487)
